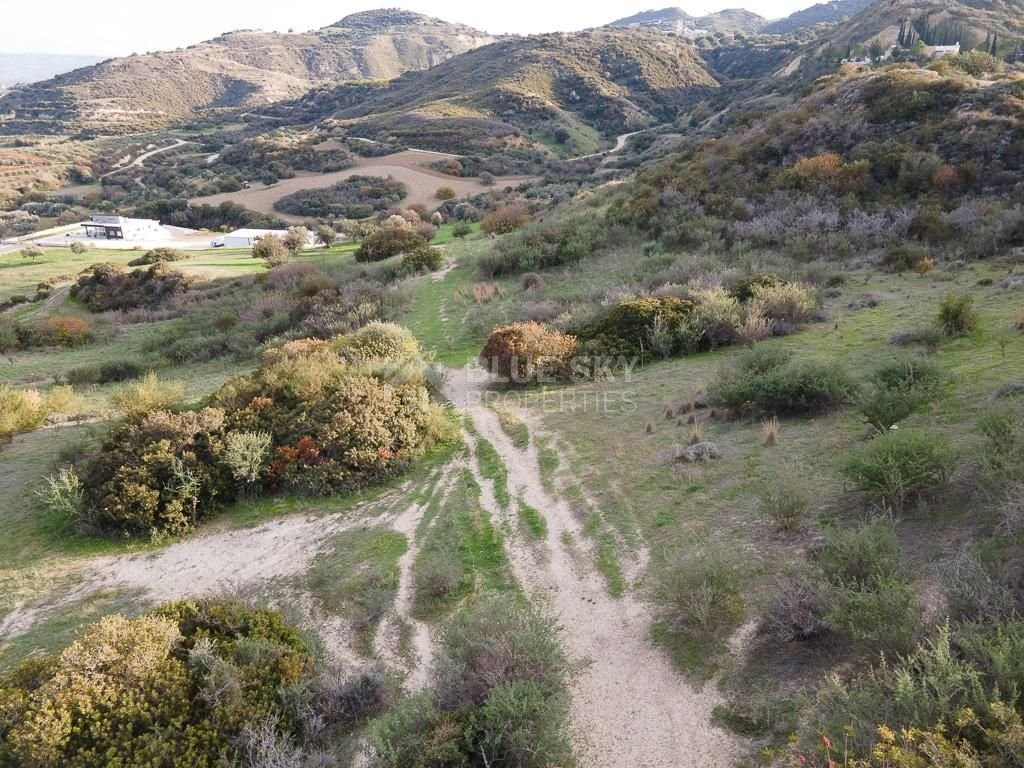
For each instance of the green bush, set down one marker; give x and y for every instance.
(105, 287)
(898, 388)
(545, 245)
(634, 324)
(157, 473)
(869, 599)
(956, 315)
(699, 599)
(177, 686)
(158, 256)
(498, 696)
(422, 260)
(785, 500)
(357, 197)
(388, 242)
(896, 465)
(767, 379)
(115, 371)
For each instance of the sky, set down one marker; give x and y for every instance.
(120, 27)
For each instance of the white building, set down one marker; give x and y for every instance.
(121, 228)
(938, 51)
(247, 238)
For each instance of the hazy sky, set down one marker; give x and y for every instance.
(118, 27)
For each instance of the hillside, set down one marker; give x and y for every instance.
(680, 22)
(238, 69)
(570, 90)
(937, 22)
(821, 13)
(31, 67)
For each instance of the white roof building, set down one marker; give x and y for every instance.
(122, 228)
(247, 238)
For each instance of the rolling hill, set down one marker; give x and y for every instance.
(831, 12)
(569, 90)
(239, 69)
(948, 21)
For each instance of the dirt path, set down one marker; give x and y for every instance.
(145, 156)
(629, 705)
(422, 183)
(200, 565)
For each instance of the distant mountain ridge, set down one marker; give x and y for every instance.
(822, 13)
(18, 68)
(680, 22)
(237, 69)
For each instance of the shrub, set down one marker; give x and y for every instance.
(104, 373)
(928, 685)
(157, 473)
(699, 597)
(388, 242)
(898, 464)
(326, 235)
(785, 500)
(21, 410)
(525, 352)
(149, 394)
(498, 696)
(1003, 430)
(105, 287)
(272, 250)
(505, 219)
(793, 303)
(767, 379)
(743, 289)
(797, 613)
(444, 193)
(868, 596)
(904, 257)
(56, 331)
(78, 248)
(532, 282)
(424, 259)
(184, 681)
(356, 197)
(158, 256)
(461, 228)
(898, 388)
(246, 455)
(634, 324)
(63, 494)
(956, 315)
(296, 239)
(547, 244)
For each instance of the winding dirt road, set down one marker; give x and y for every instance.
(630, 707)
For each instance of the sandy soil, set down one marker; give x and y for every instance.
(407, 167)
(629, 705)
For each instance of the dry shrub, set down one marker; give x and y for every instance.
(528, 351)
(532, 281)
(770, 430)
(65, 330)
(505, 219)
(485, 292)
(753, 329)
(1018, 319)
(147, 395)
(785, 499)
(790, 303)
(696, 433)
(21, 410)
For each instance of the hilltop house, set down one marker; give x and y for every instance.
(938, 51)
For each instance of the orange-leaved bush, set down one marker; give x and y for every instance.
(528, 352)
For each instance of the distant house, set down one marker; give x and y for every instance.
(122, 228)
(938, 51)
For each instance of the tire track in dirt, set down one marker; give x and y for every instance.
(629, 707)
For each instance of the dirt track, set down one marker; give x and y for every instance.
(405, 167)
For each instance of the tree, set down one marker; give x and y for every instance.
(326, 236)
(461, 229)
(487, 178)
(876, 51)
(272, 250)
(31, 252)
(78, 247)
(296, 239)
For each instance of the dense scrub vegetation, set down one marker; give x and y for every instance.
(357, 197)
